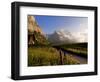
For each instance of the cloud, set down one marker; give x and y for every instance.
(81, 36)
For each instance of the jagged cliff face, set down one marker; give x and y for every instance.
(32, 25)
(35, 34)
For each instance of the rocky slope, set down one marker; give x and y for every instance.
(32, 25)
(35, 33)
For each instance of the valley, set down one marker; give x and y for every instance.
(59, 48)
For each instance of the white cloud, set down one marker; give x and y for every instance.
(81, 36)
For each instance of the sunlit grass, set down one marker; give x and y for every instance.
(44, 56)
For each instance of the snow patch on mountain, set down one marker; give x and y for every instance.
(65, 37)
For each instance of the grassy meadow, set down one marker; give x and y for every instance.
(46, 56)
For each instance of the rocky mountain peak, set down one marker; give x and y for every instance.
(35, 33)
(33, 26)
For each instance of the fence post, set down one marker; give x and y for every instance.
(61, 57)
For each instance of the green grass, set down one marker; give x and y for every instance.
(76, 51)
(45, 56)
(77, 48)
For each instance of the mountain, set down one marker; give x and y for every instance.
(33, 26)
(37, 37)
(35, 33)
(61, 37)
(65, 37)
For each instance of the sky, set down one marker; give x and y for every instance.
(49, 24)
(65, 25)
